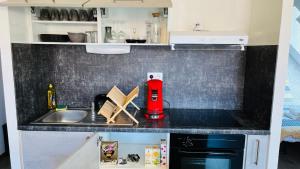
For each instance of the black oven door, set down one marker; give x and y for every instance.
(206, 151)
(207, 159)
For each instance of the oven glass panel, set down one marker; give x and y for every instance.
(205, 163)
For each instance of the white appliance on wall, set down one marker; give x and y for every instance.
(198, 38)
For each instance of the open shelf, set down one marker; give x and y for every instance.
(134, 143)
(26, 27)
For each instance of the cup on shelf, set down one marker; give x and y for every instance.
(91, 36)
(92, 14)
(64, 15)
(54, 14)
(74, 15)
(44, 14)
(77, 37)
(83, 15)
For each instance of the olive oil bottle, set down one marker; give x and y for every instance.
(51, 97)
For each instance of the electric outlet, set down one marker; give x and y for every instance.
(155, 75)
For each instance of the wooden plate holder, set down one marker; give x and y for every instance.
(111, 110)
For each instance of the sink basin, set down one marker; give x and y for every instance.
(68, 116)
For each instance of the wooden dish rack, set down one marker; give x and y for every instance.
(120, 102)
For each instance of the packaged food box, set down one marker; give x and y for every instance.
(163, 153)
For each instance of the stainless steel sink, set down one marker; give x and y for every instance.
(68, 116)
(79, 116)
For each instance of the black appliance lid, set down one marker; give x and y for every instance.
(204, 118)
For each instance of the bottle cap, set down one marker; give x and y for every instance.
(157, 14)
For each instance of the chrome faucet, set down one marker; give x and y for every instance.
(93, 113)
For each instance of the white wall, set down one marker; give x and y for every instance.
(214, 15)
(2, 113)
(259, 18)
(265, 22)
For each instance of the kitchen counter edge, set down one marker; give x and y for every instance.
(142, 130)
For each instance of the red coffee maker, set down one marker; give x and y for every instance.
(154, 99)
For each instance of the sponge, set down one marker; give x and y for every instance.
(61, 108)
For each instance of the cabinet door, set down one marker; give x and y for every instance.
(256, 152)
(213, 15)
(87, 156)
(48, 150)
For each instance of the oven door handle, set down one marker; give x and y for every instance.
(209, 153)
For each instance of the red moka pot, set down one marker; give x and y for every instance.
(155, 100)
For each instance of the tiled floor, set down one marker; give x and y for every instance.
(290, 158)
(4, 162)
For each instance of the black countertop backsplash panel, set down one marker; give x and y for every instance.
(198, 79)
(259, 82)
(32, 73)
(208, 79)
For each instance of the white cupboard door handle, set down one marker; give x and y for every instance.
(257, 152)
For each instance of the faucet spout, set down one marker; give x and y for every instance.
(93, 113)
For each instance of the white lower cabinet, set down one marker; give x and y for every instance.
(256, 152)
(86, 157)
(47, 150)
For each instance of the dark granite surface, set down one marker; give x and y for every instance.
(259, 82)
(31, 74)
(202, 122)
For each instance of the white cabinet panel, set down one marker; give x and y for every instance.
(87, 156)
(256, 153)
(48, 150)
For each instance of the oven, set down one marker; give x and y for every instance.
(206, 151)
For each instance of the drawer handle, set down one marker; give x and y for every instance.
(257, 152)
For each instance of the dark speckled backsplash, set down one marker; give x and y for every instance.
(192, 79)
(259, 83)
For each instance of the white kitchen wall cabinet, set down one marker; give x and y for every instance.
(256, 152)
